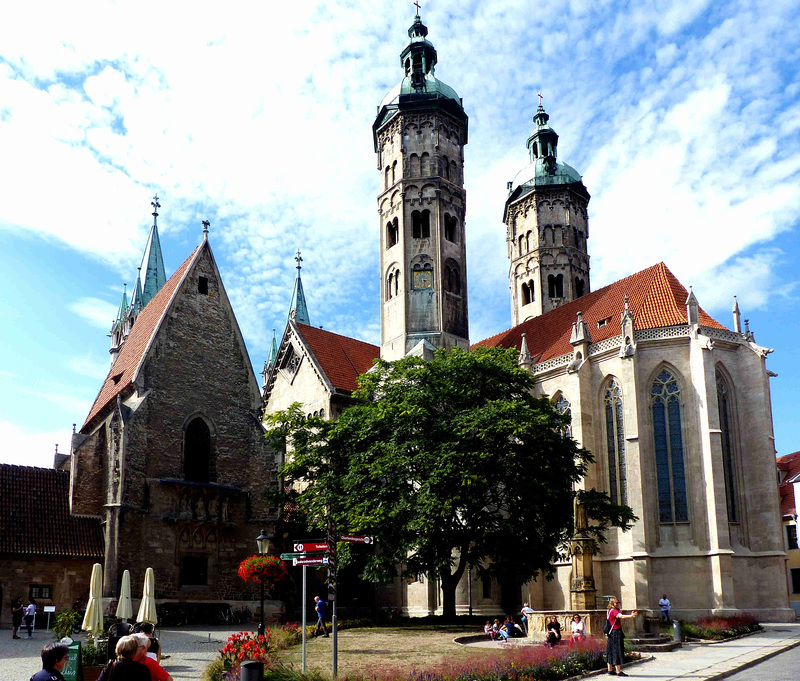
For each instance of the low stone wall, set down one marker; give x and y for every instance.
(594, 620)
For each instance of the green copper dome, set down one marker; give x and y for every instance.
(419, 89)
(544, 169)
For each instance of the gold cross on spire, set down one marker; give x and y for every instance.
(156, 205)
(298, 259)
(539, 95)
(416, 4)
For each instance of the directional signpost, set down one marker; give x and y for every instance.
(356, 539)
(321, 560)
(310, 546)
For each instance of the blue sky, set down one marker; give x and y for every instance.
(684, 119)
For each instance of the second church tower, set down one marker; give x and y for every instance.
(419, 136)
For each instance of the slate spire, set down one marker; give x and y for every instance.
(152, 275)
(298, 310)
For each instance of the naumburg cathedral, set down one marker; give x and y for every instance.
(674, 405)
(170, 465)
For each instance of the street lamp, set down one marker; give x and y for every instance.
(263, 547)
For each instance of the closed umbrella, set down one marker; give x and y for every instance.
(93, 619)
(147, 609)
(124, 607)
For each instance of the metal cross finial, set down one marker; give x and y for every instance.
(539, 95)
(298, 259)
(206, 225)
(156, 205)
(416, 4)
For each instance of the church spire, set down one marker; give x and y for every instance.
(543, 142)
(273, 351)
(152, 275)
(122, 311)
(298, 310)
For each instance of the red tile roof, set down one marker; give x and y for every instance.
(656, 299)
(790, 466)
(342, 358)
(130, 357)
(35, 517)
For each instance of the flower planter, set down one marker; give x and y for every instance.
(92, 673)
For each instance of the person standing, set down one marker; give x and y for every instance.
(17, 613)
(319, 607)
(30, 614)
(54, 658)
(526, 612)
(615, 654)
(665, 606)
(157, 672)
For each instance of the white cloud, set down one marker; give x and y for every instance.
(99, 313)
(89, 366)
(31, 448)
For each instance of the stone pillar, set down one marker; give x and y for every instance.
(582, 548)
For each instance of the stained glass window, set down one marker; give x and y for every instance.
(670, 472)
(728, 461)
(615, 444)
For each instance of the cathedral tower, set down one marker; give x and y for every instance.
(547, 229)
(419, 136)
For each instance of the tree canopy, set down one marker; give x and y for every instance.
(448, 463)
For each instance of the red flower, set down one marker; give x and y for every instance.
(269, 569)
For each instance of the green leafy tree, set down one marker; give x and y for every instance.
(448, 463)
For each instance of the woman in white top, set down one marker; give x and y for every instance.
(577, 629)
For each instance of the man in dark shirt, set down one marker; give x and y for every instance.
(54, 659)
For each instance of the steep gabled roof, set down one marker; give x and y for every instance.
(342, 358)
(656, 299)
(35, 517)
(123, 371)
(790, 466)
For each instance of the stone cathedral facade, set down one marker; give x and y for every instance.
(170, 465)
(674, 405)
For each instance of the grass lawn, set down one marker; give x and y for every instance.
(368, 648)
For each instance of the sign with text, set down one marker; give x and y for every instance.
(71, 671)
(291, 556)
(356, 539)
(323, 560)
(300, 547)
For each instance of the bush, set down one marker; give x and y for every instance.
(65, 622)
(720, 628)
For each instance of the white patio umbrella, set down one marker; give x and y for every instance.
(147, 609)
(93, 619)
(124, 607)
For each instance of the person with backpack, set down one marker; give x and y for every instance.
(615, 653)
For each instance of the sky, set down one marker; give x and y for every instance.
(682, 117)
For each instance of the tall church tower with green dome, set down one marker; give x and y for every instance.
(419, 134)
(547, 229)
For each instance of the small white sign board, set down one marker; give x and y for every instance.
(49, 608)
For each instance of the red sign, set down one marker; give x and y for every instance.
(356, 539)
(310, 546)
(323, 560)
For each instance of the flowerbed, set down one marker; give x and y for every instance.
(524, 663)
(720, 628)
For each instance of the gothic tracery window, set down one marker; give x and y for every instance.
(564, 408)
(615, 444)
(665, 397)
(728, 447)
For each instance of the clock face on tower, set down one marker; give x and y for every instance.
(422, 279)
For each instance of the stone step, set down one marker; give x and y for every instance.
(648, 646)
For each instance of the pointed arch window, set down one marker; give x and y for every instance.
(197, 451)
(564, 408)
(725, 405)
(450, 228)
(665, 397)
(615, 444)
(579, 287)
(388, 174)
(527, 294)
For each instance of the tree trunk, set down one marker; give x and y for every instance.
(449, 584)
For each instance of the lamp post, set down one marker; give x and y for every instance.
(263, 547)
